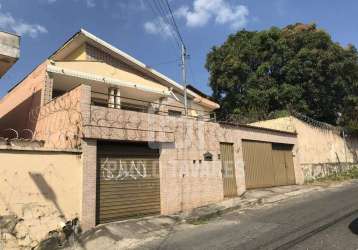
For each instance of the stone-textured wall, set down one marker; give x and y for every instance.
(186, 184)
(89, 186)
(41, 187)
(107, 123)
(59, 122)
(187, 180)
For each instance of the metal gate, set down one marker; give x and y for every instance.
(128, 183)
(228, 169)
(282, 154)
(267, 164)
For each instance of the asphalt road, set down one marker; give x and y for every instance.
(321, 220)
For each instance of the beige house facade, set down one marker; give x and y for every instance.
(134, 150)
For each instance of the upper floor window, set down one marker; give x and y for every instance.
(174, 113)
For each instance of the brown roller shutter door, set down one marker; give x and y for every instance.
(128, 183)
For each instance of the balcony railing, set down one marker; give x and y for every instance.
(158, 108)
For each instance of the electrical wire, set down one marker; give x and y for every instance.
(174, 22)
(165, 13)
(164, 17)
(157, 13)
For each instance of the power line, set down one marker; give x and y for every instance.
(164, 17)
(184, 54)
(157, 12)
(167, 18)
(162, 7)
(174, 23)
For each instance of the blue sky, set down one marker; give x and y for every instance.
(131, 26)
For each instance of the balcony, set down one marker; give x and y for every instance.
(158, 107)
(9, 51)
(118, 109)
(126, 118)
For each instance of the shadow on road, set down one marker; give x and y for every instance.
(353, 226)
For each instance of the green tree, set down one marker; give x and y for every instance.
(257, 74)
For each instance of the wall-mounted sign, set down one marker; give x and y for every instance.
(208, 156)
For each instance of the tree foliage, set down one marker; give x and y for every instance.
(255, 74)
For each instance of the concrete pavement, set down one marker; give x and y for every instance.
(273, 218)
(318, 220)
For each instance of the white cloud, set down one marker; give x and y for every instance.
(201, 13)
(90, 3)
(220, 11)
(9, 23)
(158, 26)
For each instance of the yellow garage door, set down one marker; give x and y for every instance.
(228, 169)
(267, 164)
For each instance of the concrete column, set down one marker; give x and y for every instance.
(89, 178)
(117, 98)
(85, 104)
(163, 108)
(111, 95)
(47, 89)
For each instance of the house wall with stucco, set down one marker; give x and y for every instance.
(18, 106)
(321, 150)
(41, 187)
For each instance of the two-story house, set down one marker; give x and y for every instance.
(142, 152)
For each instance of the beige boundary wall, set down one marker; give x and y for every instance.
(44, 188)
(321, 151)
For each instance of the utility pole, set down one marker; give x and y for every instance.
(183, 68)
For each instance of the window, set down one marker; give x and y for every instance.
(133, 107)
(174, 113)
(56, 93)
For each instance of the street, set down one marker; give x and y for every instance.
(319, 220)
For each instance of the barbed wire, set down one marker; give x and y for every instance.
(240, 119)
(314, 122)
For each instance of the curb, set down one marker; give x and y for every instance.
(207, 213)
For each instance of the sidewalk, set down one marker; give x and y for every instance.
(250, 199)
(134, 233)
